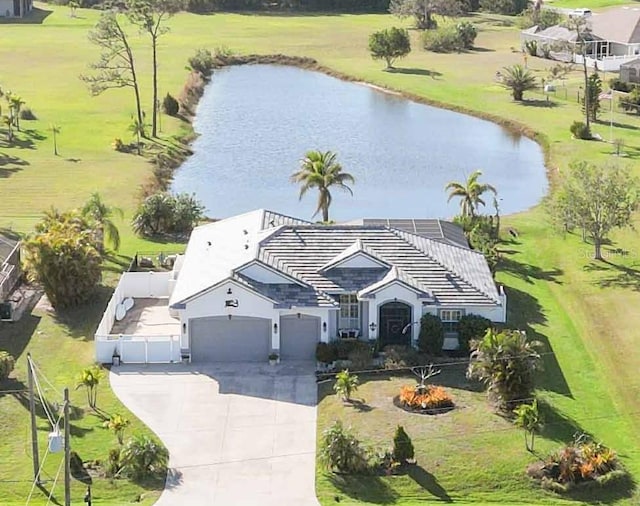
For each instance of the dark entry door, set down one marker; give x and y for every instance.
(393, 318)
(16, 8)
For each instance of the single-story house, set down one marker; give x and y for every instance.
(614, 38)
(630, 71)
(15, 8)
(263, 282)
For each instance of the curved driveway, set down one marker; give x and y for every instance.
(237, 434)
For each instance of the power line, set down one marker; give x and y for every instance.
(53, 487)
(46, 379)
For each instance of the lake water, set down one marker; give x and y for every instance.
(257, 121)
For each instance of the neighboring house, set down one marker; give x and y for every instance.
(15, 8)
(614, 39)
(262, 282)
(10, 271)
(630, 71)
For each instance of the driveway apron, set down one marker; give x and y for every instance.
(237, 434)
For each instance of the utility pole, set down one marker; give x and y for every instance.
(67, 451)
(34, 428)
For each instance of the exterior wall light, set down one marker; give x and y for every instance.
(229, 292)
(324, 326)
(184, 328)
(298, 315)
(372, 327)
(275, 328)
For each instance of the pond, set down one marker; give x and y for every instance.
(255, 122)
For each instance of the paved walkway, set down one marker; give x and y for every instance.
(237, 434)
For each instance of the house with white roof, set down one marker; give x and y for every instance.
(262, 282)
(613, 39)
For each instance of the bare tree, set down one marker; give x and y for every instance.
(149, 16)
(116, 66)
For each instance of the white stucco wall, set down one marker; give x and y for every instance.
(6, 5)
(391, 293)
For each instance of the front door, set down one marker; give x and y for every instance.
(16, 8)
(394, 318)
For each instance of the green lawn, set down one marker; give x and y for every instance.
(589, 4)
(60, 345)
(586, 311)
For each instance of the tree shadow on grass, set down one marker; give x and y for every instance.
(371, 489)
(49, 494)
(35, 17)
(615, 275)
(428, 482)
(557, 426)
(16, 335)
(433, 74)
(528, 272)
(623, 488)
(10, 164)
(81, 322)
(359, 405)
(17, 142)
(550, 104)
(523, 311)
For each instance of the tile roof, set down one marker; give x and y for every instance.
(619, 25)
(431, 228)
(452, 274)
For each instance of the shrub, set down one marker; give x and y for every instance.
(442, 40)
(202, 62)
(580, 130)
(619, 85)
(325, 353)
(7, 363)
(27, 114)
(400, 356)
(467, 34)
(431, 336)
(142, 458)
(631, 102)
(340, 451)
(170, 105)
(434, 399)
(113, 466)
(162, 213)
(344, 347)
(531, 47)
(120, 146)
(346, 384)
(508, 7)
(402, 445)
(361, 358)
(543, 18)
(471, 327)
(89, 378)
(581, 462)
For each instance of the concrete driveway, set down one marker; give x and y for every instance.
(237, 434)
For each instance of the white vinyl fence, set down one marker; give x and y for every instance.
(136, 348)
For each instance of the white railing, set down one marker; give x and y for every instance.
(136, 285)
(10, 272)
(139, 349)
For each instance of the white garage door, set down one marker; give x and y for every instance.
(241, 339)
(299, 337)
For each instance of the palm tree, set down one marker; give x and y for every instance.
(470, 193)
(322, 171)
(15, 105)
(137, 128)
(505, 361)
(528, 417)
(518, 80)
(100, 214)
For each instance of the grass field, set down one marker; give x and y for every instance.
(584, 310)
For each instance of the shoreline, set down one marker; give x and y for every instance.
(195, 84)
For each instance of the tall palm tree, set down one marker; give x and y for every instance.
(137, 129)
(100, 215)
(15, 105)
(518, 80)
(469, 193)
(322, 171)
(55, 130)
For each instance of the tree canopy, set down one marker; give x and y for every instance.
(596, 199)
(470, 193)
(423, 11)
(63, 257)
(389, 44)
(322, 171)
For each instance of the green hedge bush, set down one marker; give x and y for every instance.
(431, 336)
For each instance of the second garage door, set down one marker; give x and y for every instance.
(299, 337)
(241, 339)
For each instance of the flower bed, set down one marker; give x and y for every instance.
(579, 464)
(431, 399)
